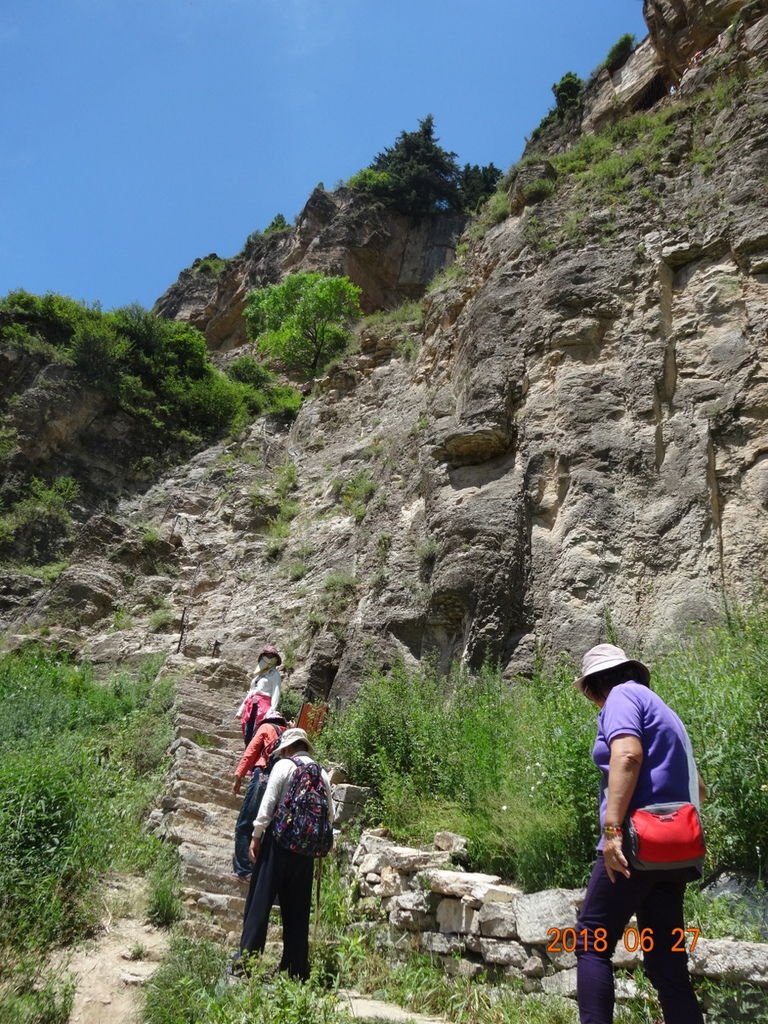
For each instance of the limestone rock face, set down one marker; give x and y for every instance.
(681, 28)
(392, 257)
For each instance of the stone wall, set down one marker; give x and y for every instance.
(473, 922)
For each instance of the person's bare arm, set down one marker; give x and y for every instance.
(623, 772)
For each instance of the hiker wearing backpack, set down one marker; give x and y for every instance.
(256, 758)
(293, 828)
(263, 693)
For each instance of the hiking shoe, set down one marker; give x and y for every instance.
(243, 879)
(235, 969)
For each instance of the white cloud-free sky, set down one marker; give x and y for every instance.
(136, 135)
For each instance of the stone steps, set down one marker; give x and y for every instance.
(200, 809)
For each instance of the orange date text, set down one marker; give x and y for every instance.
(569, 940)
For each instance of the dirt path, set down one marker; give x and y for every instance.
(110, 969)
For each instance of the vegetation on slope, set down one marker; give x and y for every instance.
(616, 171)
(303, 322)
(417, 176)
(80, 765)
(510, 766)
(157, 371)
(152, 377)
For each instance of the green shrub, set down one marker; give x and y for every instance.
(536, 191)
(368, 180)
(567, 93)
(355, 493)
(277, 225)
(248, 370)
(619, 52)
(210, 266)
(284, 400)
(263, 393)
(79, 762)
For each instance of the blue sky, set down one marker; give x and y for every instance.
(140, 134)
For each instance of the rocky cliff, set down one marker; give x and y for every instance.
(571, 441)
(392, 257)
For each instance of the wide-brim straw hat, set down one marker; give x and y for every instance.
(605, 656)
(291, 736)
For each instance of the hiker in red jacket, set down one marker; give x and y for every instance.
(255, 759)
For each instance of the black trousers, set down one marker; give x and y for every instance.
(288, 876)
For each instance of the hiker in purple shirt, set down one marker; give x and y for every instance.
(644, 755)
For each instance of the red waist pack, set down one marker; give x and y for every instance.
(664, 836)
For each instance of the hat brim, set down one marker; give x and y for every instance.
(283, 747)
(644, 673)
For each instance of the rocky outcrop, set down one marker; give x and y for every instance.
(637, 85)
(392, 257)
(680, 28)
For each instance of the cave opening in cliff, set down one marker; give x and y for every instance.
(655, 90)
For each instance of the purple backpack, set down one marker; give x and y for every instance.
(301, 823)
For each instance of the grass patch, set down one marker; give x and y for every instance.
(80, 763)
(408, 312)
(535, 233)
(537, 191)
(277, 534)
(495, 210)
(31, 993)
(354, 493)
(210, 266)
(48, 573)
(296, 570)
(40, 520)
(189, 988)
(164, 895)
(447, 277)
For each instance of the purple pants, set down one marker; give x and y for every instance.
(657, 899)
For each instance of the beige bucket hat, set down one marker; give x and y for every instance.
(291, 736)
(605, 656)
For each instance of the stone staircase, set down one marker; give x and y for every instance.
(198, 812)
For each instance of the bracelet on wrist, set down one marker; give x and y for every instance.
(612, 831)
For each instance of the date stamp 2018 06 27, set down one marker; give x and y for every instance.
(568, 940)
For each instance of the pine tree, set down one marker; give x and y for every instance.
(424, 176)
